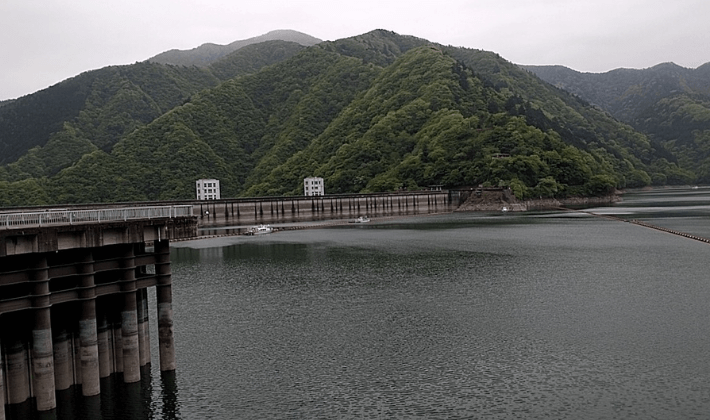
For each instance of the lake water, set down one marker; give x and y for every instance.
(471, 315)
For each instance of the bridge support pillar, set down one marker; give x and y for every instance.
(129, 320)
(117, 340)
(18, 378)
(43, 362)
(89, 350)
(88, 334)
(42, 351)
(2, 386)
(164, 296)
(105, 348)
(129, 337)
(143, 327)
(63, 358)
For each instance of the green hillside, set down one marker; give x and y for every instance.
(252, 58)
(376, 112)
(668, 103)
(98, 108)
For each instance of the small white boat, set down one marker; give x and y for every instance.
(361, 219)
(505, 209)
(260, 230)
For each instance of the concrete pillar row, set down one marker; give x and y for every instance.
(88, 332)
(166, 343)
(42, 350)
(129, 319)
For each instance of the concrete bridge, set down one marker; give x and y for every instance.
(73, 297)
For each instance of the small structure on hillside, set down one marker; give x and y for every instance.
(208, 189)
(313, 186)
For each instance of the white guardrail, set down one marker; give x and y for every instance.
(70, 217)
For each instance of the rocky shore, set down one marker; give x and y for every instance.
(504, 200)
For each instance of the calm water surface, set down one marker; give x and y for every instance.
(496, 316)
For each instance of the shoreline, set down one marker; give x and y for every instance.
(506, 201)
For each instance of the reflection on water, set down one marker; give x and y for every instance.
(168, 393)
(117, 401)
(535, 315)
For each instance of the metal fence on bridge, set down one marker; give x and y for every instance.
(70, 217)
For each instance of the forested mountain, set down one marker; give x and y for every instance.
(668, 103)
(252, 58)
(206, 54)
(54, 127)
(99, 106)
(375, 112)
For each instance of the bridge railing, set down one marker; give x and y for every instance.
(70, 217)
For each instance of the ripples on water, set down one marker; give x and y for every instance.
(515, 316)
(455, 316)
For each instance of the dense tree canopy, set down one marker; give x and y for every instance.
(668, 103)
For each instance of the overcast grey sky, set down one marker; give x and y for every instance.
(43, 42)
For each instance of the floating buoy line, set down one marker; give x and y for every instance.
(643, 224)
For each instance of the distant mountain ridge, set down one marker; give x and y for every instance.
(667, 102)
(626, 92)
(208, 53)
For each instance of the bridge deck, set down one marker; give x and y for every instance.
(58, 217)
